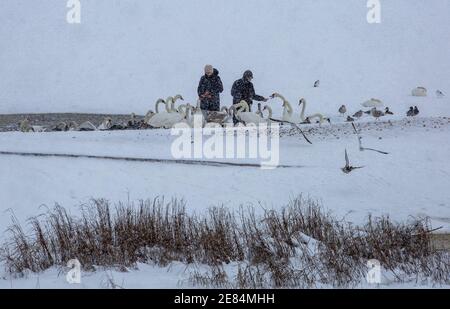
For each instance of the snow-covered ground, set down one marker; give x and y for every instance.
(125, 54)
(411, 180)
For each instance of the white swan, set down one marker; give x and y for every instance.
(373, 103)
(172, 101)
(243, 114)
(86, 126)
(148, 116)
(157, 120)
(73, 126)
(106, 124)
(62, 126)
(159, 101)
(308, 119)
(419, 92)
(168, 119)
(288, 111)
(192, 113)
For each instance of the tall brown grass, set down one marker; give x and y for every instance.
(300, 245)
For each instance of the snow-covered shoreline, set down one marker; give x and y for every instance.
(410, 181)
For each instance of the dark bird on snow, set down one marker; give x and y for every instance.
(410, 112)
(347, 169)
(388, 112)
(343, 110)
(316, 83)
(416, 111)
(358, 114)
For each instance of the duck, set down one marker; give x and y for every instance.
(343, 110)
(221, 116)
(132, 123)
(410, 112)
(416, 111)
(419, 92)
(347, 169)
(388, 112)
(376, 113)
(358, 114)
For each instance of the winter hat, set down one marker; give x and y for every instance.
(248, 74)
(208, 68)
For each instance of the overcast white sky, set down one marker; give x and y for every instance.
(127, 53)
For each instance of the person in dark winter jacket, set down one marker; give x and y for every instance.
(209, 89)
(243, 90)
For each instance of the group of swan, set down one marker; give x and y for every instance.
(290, 116)
(107, 124)
(171, 116)
(185, 113)
(25, 126)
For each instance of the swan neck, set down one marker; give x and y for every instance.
(302, 114)
(288, 107)
(167, 106)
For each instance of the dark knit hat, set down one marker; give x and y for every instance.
(248, 74)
